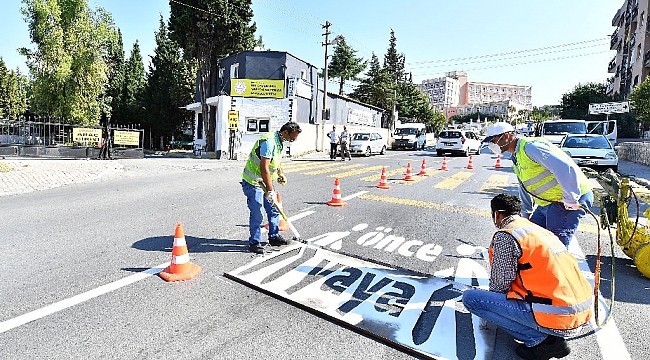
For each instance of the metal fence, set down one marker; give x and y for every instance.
(34, 133)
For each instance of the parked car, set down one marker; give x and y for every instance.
(590, 150)
(367, 143)
(462, 142)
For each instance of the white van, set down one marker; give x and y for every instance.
(555, 130)
(409, 136)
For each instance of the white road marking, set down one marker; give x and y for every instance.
(353, 195)
(77, 299)
(612, 346)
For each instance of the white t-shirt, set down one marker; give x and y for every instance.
(332, 136)
(344, 136)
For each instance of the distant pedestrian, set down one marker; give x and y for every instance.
(344, 141)
(548, 178)
(333, 142)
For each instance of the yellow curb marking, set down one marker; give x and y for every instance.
(325, 171)
(495, 184)
(455, 180)
(356, 172)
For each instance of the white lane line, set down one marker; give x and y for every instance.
(353, 195)
(612, 346)
(77, 299)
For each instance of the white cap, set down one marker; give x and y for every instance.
(497, 129)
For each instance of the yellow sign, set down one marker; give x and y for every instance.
(257, 88)
(233, 120)
(88, 136)
(126, 138)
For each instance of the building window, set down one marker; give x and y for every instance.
(251, 125)
(234, 71)
(221, 71)
(303, 74)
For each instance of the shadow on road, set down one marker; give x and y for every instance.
(194, 244)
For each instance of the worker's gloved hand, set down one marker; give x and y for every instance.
(272, 196)
(570, 205)
(282, 180)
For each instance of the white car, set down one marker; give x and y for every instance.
(462, 142)
(590, 150)
(367, 143)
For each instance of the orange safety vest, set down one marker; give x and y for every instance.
(548, 278)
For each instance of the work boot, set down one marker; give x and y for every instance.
(551, 347)
(256, 248)
(278, 240)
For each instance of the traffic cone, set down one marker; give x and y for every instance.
(498, 164)
(383, 184)
(408, 176)
(181, 268)
(470, 164)
(423, 168)
(444, 163)
(282, 224)
(336, 195)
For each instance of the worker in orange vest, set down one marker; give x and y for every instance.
(537, 291)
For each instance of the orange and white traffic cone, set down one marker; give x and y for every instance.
(444, 163)
(336, 195)
(498, 164)
(470, 164)
(383, 184)
(423, 169)
(408, 176)
(181, 268)
(282, 224)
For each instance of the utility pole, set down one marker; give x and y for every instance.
(325, 114)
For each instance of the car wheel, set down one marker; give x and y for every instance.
(368, 151)
(438, 152)
(383, 150)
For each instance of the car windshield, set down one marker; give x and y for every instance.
(451, 134)
(565, 128)
(589, 142)
(361, 137)
(406, 131)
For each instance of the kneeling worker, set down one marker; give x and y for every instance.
(537, 292)
(264, 163)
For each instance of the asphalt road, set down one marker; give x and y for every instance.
(78, 259)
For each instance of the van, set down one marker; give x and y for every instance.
(409, 136)
(555, 130)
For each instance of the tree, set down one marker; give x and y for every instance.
(169, 87)
(68, 64)
(13, 92)
(345, 65)
(375, 89)
(640, 101)
(575, 104)
(132, 89)
(209, 30)
(115, 65)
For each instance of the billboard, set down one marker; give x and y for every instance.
(259, 88)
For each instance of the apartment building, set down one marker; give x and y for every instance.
(631, 40)
(454, 95)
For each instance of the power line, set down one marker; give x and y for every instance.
(510, 52)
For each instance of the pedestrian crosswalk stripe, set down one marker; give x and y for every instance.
(376, 177)
(418, 178)
(356, 172)
(453, 181)
(310, 166)
(328, 170)
(495, 184)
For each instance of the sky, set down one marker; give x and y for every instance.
(551, 45)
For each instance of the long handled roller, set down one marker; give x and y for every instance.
(296, 235)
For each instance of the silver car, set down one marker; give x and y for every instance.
(367, 143)
(590, 150)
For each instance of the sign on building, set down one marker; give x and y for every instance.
(609, 108)
(130, 138)
(233, 120)
(261, 88)
(360, 117)
(87, 136)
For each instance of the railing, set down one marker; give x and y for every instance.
(615, 39)
(612, 66)
(646, 59)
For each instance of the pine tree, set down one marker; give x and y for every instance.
(132, 88)
(345, 65)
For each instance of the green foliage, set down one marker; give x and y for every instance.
(209, 30)
(575, 104)
(640, 101)
(345, 65)
(13, 92)
(68, 65)
(375, 89)
(169, 87)
(115, 63)
(132, 89)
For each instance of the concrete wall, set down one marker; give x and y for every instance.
(638, 152)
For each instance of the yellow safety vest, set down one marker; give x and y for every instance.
(252, 171)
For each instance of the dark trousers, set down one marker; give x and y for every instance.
(333, 150)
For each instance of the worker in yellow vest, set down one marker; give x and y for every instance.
(548, 178)
(537, 292)
(264, 163)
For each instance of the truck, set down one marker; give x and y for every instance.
(409, 136)
(555, 130)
